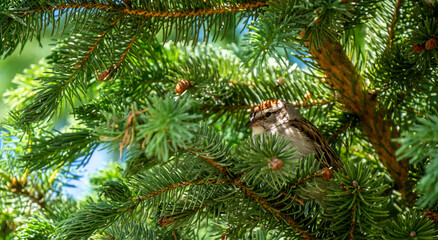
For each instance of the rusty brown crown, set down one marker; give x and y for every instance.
(267, 104)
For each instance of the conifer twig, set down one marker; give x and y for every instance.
(326, 173)
(211, 161)
(178, 185)
(304, 104)
(280, 215)
(265, 204)
(19, 188)
(353, 223)
(125, 53)
(394, 20)
(220, 9)
(101, 36)
(166, 220)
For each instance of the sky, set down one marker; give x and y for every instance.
(98, 161)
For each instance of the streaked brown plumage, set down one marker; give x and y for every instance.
(280, 117)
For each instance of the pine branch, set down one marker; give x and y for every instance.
(418, 144)
(19, 188)
(62, 149)
(95, 44)
(70, 77)
(179, 185)
(264, 203)
(209, 160)
(353, 93)
(219, 9)
(280, 215)
(58, 7)
(95, 215)
(166, 220)
(189, 19)
(35, 197)
(410, 224)
(353, 222)
(208, 11)
(304, 104)
(109, 72)
(355, 202)
(325, 173)
(394, 21)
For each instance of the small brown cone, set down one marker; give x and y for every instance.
(432, 216)
(275, 164)
(355, 184)
(327, 174)
(103, 75)
(308, 96)
(418, 48)
(431, 43)
(280, 81)
(182, 86)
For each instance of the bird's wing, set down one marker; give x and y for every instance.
(323, 151)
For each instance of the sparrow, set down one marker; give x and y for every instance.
(282, 118)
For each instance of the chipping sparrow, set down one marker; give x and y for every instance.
(282, 118)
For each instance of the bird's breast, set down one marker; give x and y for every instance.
(302, 144)
(258, 130)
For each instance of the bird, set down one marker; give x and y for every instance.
(282, 118)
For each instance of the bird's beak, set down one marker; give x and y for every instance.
(251, 123)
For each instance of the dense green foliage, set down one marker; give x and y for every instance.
(168, 86)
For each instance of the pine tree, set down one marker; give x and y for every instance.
(169, 85)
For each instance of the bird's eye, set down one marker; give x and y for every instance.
(268, 114)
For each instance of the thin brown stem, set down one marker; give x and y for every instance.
(394, 20)
(304, 104)
(220, 9)
(280, 215)
(95, 44)
(325, 173)
(166, 220)
(311, 103)
(353, 222)
(293, 198)
(35, 197)
(178, 185)
(109, 72)
(209, 160)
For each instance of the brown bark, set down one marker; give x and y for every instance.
(353, 94)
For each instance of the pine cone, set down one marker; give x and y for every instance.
(280, 81)
(275, 164)
(103, 75)
(327, 174)
(181, 86)
(418, 48)
(431, 43)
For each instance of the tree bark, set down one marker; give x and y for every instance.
(343, 77)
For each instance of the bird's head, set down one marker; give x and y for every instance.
(270, 113)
